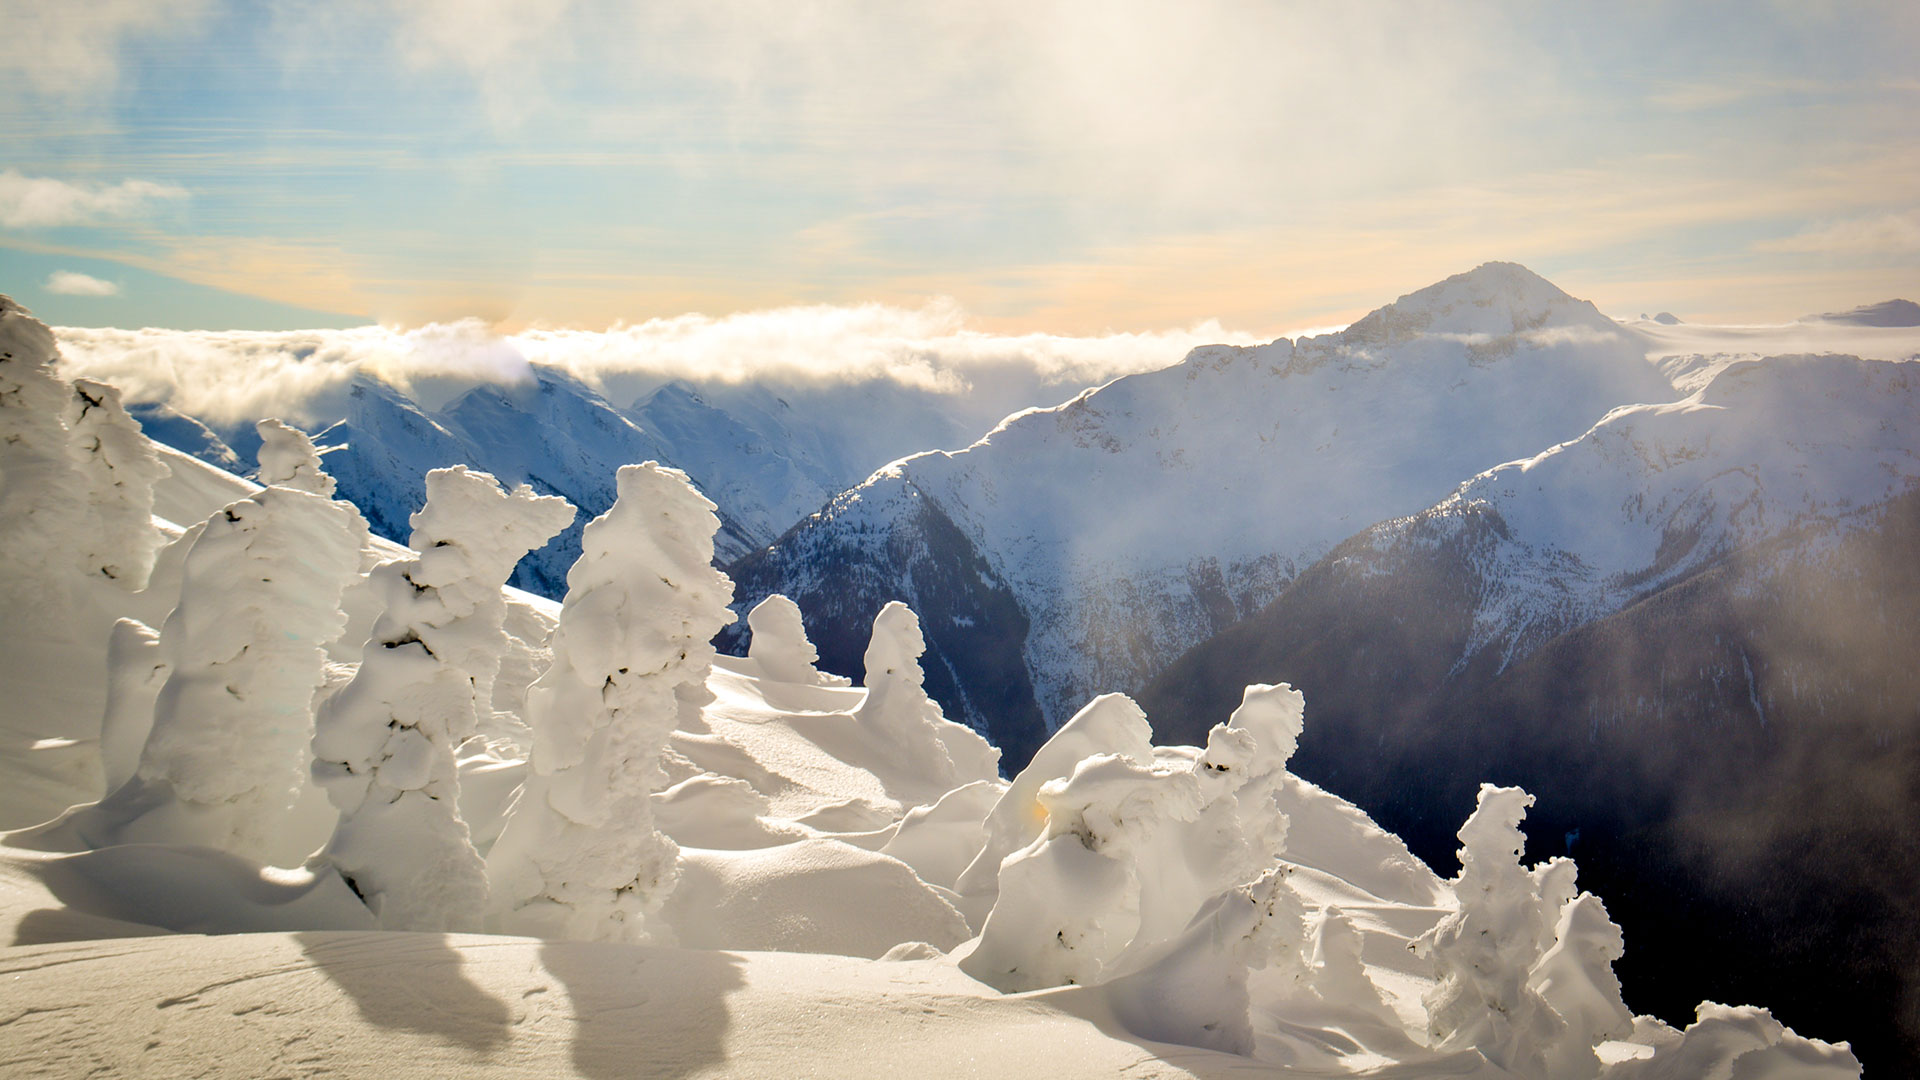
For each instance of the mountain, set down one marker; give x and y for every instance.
(766, 455)
(1690, 619)
(1884, 313)
(1152, 513)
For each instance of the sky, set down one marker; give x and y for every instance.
(1044, 166)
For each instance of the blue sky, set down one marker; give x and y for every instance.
(1060, 165)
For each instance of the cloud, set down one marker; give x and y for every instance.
(303, 376)
(73, 283)
(72, 47)
(1698, 96)
(1894, 234)
(41, 202)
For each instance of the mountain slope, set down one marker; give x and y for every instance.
(1697, 626)
(1152, 513)
(767, 456)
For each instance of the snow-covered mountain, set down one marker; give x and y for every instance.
(767, 455)
(1149, 514)
(1696, 615)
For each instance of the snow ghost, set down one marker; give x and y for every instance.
(926, 755)
(384, 746)
(288, 458)
(580, 856)
(780, 646)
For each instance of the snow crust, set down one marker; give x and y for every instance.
(1114, 909)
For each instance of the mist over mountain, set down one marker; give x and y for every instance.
(771, 412)
(767, 455)
(1697, 622)
(1149, 514)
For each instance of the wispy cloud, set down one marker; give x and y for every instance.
(74, 283)
(1695, 96)
(1897, 234)
(40, 202)
(68, 48)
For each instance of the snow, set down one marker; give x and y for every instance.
(1765, 448)
(1225, 917)
(1145, 515)
(929, 753)
(385, 745)
(780, 647)
(579, 855)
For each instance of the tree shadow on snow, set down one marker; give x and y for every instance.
(641, 1011)
(411, 982)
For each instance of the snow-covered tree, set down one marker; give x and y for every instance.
(245, 651)
(925, 754)
(779, 645)
(1523, 947)
(288, 458)
(1110, 723)
(1134, 843)
(384, 745)
(580, 856)
(41, 517)
(120, 467)
(1071, 902)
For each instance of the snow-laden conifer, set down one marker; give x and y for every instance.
(1524, 967)
(1134, 844)
(41, 517)
(384, 745)
(926, 754)
(288, 458)
(580, 856)
(780, 647)
(245, 651)
(120, 467)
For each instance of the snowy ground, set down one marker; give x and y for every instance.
(854, 890)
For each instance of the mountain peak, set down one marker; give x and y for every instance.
(1496, 298)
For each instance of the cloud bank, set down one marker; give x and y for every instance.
(227, 377)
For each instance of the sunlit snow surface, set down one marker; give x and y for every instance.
(819, 924)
